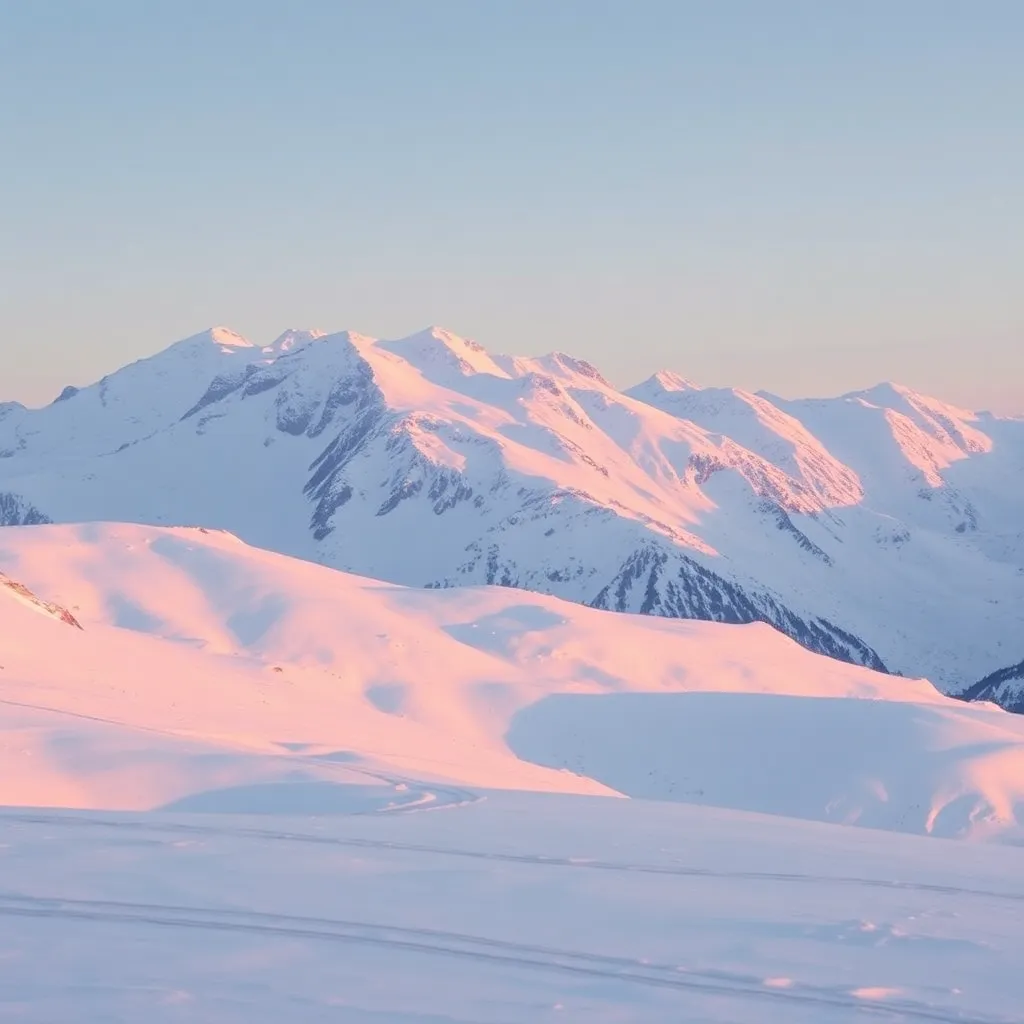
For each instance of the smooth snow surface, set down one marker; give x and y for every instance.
(210, 675)
(517, 909)
(882, 527)
(293, 794)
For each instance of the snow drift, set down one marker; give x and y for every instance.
(208, 674)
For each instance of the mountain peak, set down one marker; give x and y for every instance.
(576, 366)
(425, 460)
(221, 339)
(669, 380)
(443, 337)
(294, 337)
(899, 397)
(435, 347)
(883, 392)
(660, 383)
(225, 337)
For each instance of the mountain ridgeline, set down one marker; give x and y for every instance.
(881, 528)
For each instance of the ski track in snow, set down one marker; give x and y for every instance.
(471, 947)
(147, 668)
(419, 798)
(84, 821)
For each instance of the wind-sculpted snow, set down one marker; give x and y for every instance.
(883, 527)
(208, 675)
(702, 748)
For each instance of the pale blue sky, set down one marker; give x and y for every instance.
(804, 197)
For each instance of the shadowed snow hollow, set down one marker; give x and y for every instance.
(937, 769)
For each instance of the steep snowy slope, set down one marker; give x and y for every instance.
(1004, 686)
(139, 400)
(881, 528)
(931, 534)
(209, 675)
(903, 446)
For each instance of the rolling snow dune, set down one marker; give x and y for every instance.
(882, 527)
(210, 675)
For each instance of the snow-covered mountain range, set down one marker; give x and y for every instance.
(882, 527)
(1005, 687)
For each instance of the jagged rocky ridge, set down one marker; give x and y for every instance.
(16, 511)
(882, 527)
(12, 588)
(1005, 686)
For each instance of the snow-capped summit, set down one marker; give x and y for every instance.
(945, 425)
(220, 337)
(881, 527)
(436, 352)
(291, 339)
(758, 425)
(661, 382)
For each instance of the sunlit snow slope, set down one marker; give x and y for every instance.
(882, 528)
(210, 675)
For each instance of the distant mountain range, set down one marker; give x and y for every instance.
(882, 527)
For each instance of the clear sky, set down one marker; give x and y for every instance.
(804, 197)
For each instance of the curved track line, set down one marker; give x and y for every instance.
(424, 796)
(470, 947)
(75, 820)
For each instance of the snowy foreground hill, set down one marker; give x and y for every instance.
(147, 668)
(275, 791)
(883, 528)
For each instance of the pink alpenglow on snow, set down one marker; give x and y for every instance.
(882, 527)
(204, 667)
(269, 784)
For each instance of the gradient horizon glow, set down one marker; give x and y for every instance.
(801, 197)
